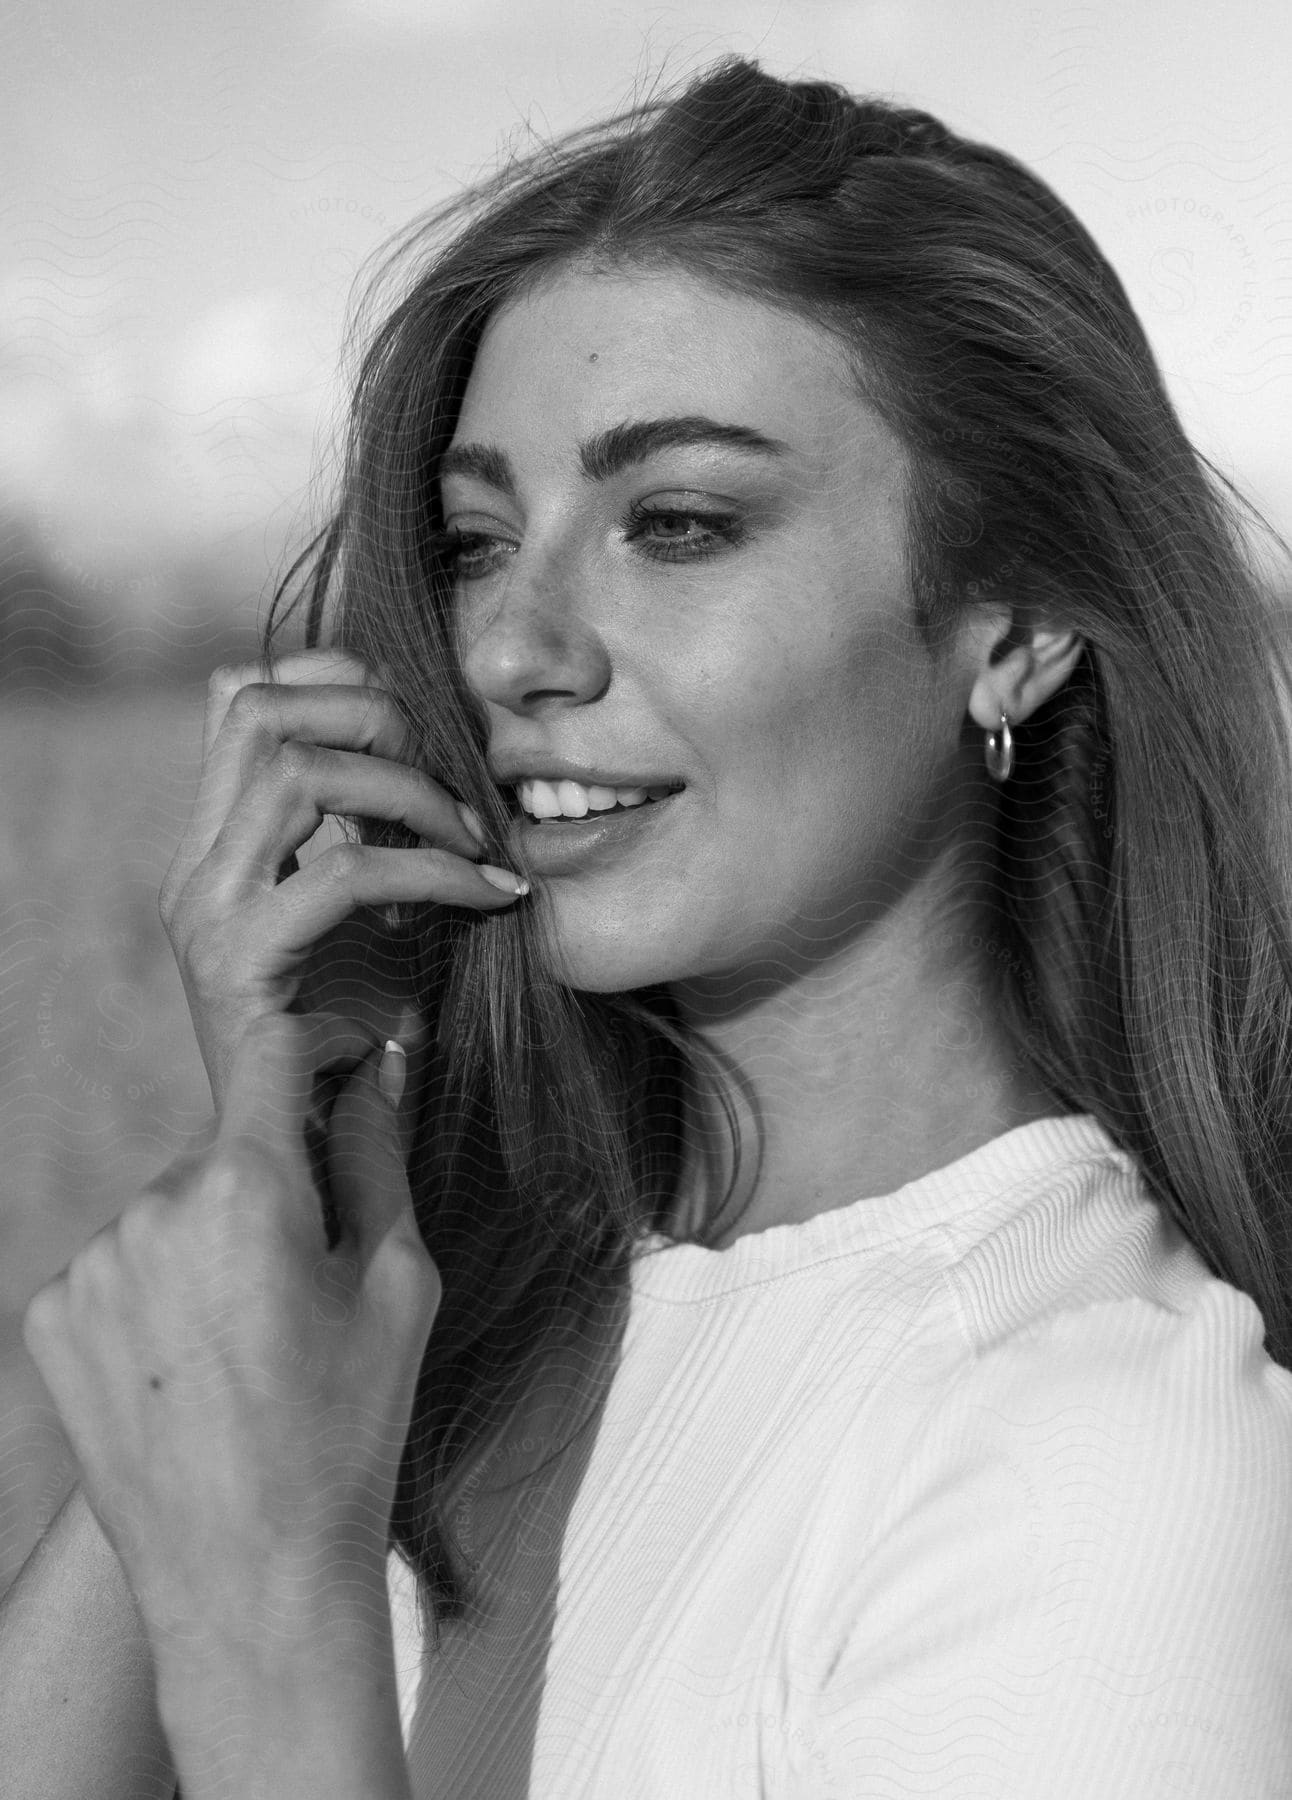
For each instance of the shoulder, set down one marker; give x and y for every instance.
(1163, 1432)
(1082, 1464)
(1092, 1538)
(1088, 1295)
(1140, 1377)
(1114, 1483)
(1096, 1340)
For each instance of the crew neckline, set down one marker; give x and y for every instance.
(1013, 1159)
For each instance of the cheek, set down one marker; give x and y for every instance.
(464, 619)
(848, 745)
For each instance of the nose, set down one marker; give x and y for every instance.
(529, 641)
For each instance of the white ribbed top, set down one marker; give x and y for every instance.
(979, 1489)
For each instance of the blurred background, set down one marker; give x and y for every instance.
(189, 195)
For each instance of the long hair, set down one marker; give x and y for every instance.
(1140, 938)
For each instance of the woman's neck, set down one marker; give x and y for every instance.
(849, 1079)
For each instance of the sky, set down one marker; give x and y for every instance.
(190, 193)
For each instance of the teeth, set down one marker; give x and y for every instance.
(572, 800)
(544, 805)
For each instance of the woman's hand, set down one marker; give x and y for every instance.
(277, 757)
(238, 1397)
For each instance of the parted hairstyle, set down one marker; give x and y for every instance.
(1139, 930)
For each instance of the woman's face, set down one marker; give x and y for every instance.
(680, 559)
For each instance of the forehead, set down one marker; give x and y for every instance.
(583, 350)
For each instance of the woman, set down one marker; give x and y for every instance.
(834, 1335)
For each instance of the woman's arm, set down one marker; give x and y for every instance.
(239, 1440)
(78, 1710)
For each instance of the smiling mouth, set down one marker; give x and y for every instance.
(627, 798)
(616, 811)
(567, 846)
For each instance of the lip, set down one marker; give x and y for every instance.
(510, 771)
(563, 845)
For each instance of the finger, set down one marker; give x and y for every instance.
(169, 1182)
(240, 730)
(260, 721)
(359, 970)
(366, 1163)
(293, 791)
(287, 919)
(307, 668)
(273, 1076)
(256, 719)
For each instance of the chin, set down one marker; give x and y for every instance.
(611, 973)
(616, 957)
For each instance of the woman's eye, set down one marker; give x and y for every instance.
(676, 534)
(469, 555)
(664, 534)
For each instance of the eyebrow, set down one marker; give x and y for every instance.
(612, 451)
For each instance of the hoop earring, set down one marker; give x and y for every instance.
(999, 750)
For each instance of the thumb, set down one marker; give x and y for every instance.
(365, 1159)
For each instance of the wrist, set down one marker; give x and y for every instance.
(316, 1720)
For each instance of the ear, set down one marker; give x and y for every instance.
(1017, 660)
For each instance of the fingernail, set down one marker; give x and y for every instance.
(515, 885)
(472, 822)
(391, 1071)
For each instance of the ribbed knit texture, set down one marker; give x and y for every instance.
(979, 1490)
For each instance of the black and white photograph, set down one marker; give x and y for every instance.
(646, 900)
